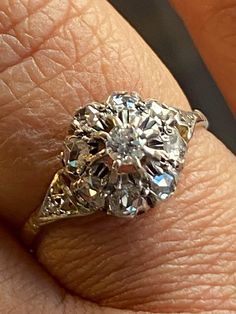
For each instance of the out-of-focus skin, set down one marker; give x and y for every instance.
(55, 55)
(212, 24)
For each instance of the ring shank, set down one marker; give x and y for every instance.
(31, 229)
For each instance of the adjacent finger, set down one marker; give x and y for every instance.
(212, 25)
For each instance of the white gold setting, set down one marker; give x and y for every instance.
(123, 157)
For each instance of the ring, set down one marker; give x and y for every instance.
(123, 157)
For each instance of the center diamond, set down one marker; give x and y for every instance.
(125, 144)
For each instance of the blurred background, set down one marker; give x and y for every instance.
(163, 30)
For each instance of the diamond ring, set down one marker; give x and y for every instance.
(123, 157)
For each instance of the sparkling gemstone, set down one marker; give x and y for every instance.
(140, 204)
(94, 118)
(122, 101)
(57, 200)
(122, 202)
(55, 203)
(158, 110)
(175, 146)
(144, 137)
(165, 185)
(125, 144)
(74, 152)
(118, 99)
(98, 175)
(88, 196)
(130, 103)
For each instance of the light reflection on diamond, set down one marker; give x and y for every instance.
(121, 203)
(132, 133)
(165, 184)
(125, 144)
(118, 99)
(175, 145)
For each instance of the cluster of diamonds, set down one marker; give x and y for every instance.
(122, 156)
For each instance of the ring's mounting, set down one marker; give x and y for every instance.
(122, 156)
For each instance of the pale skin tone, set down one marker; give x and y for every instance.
(178, 258)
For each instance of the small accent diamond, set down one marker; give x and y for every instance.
(164, 183)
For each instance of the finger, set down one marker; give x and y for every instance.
(212, 25)
(56, 56)
(170, 253)
(26, 288)
(178, 257)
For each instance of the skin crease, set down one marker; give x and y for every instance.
(179, 257)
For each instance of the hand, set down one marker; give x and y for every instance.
(177, 258)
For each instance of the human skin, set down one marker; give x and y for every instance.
(56, 55)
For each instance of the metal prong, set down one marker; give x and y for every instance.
(140, 167)
(114, 170)
(201, 119)
(115, 121)
(102, 135)
(97, 157)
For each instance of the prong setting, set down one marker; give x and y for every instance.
(122, 156)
